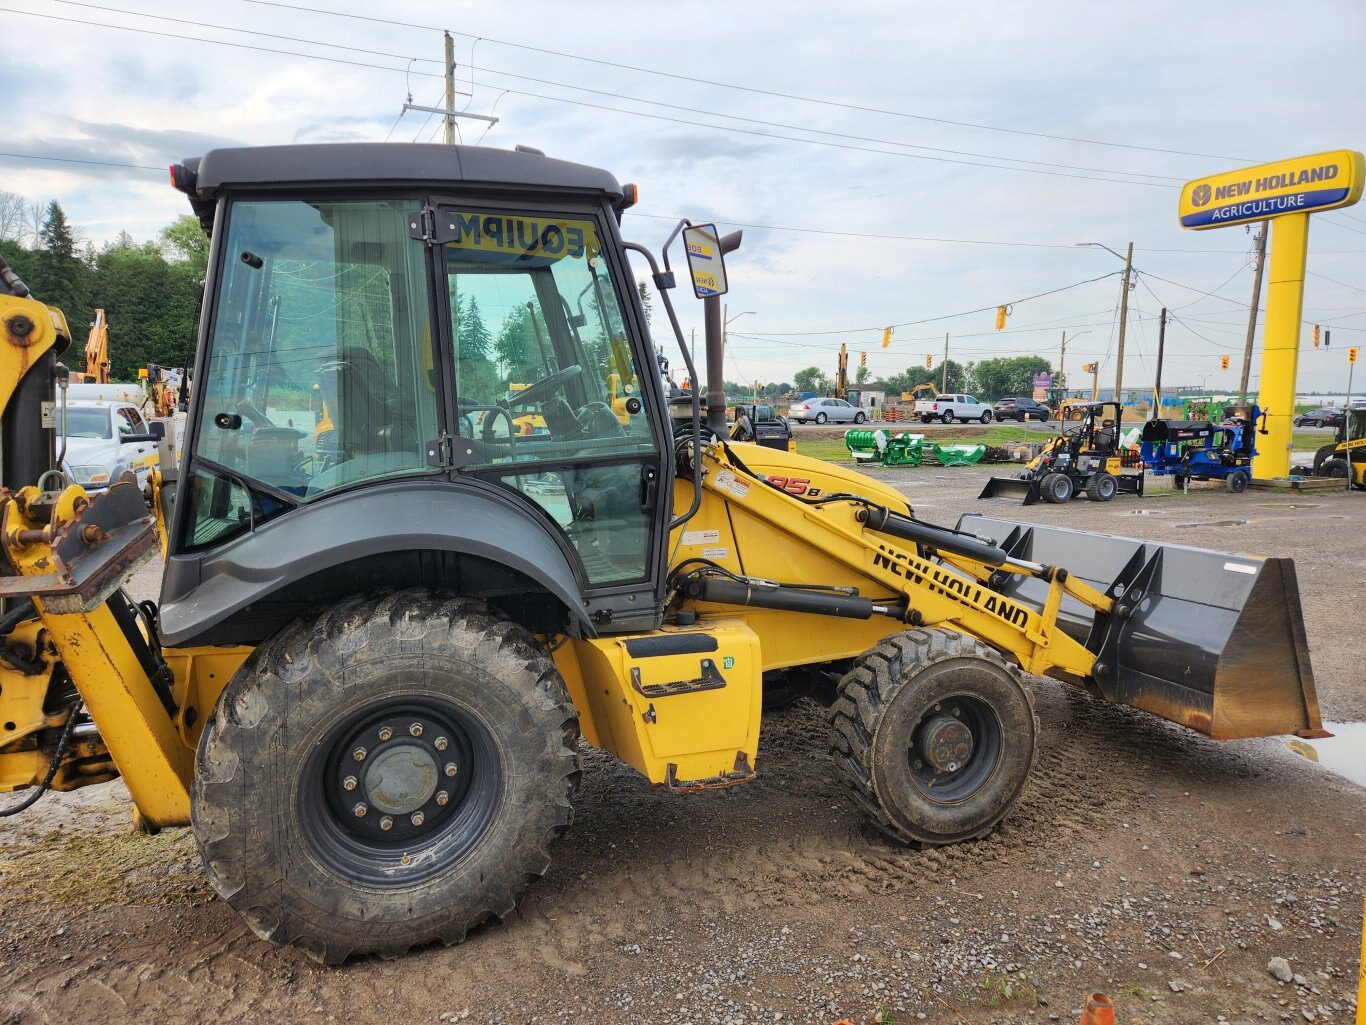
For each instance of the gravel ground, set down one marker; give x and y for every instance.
(1163, 869)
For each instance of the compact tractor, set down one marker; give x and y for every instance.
(377, 648)
(1087, 456)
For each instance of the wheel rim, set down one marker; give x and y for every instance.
(396, 779)
(955, 749)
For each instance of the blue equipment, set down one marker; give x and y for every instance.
(1203, 450)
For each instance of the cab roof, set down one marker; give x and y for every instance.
(369, 165)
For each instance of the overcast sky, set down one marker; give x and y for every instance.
(891, 163)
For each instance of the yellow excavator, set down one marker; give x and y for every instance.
(97, 351)
(367, 676)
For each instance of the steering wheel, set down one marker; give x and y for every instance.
(491, 414)
(545, 387)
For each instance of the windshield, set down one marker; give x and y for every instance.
(319, 370)
(87, 423)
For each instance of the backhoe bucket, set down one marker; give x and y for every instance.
(1206, 639)
(1012, 488)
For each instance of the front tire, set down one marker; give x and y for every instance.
(1056, 488)
(986, 417)
(934, 736)
(859, 418)
(821, 418)
(1237, 481)
(383, 775)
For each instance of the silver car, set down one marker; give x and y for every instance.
(825, 410)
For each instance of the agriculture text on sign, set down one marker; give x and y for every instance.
(1324, 181)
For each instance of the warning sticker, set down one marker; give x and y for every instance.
(701, 537)
(728, 482)
(715, 553)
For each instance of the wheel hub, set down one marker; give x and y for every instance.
(399, 776)
(946, 743)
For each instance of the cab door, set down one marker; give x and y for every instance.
(552, 398)
(140, 456)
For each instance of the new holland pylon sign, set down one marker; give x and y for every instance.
(1285, 193)
(1304, 185)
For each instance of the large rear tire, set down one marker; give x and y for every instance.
(1102, 487)
(934, 735)
(386, 774)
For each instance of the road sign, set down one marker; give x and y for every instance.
(1324, 181)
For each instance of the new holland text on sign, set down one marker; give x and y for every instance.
(1302, 185)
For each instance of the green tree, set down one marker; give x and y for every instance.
(183, 239)
(996, 378)
(647, 301)
(55, 272)
(861, 375)
(152, 306)
(810, 379)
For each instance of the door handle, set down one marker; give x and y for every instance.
(649, 486)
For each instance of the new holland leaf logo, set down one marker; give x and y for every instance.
(1201, 195)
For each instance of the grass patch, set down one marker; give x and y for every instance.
(1133, 989)
(1003, 989)
(106, 868)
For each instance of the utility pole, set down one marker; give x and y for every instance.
(1123, 320)
(1259, 245)
(1157, 384)
(946, 362)
(450, 90)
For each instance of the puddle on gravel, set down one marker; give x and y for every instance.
(1215, 523)
(1344, 752)
(1144, 512)
(1288, 505)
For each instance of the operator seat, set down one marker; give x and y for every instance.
(363, 416)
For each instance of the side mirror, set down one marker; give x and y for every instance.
(705, 262)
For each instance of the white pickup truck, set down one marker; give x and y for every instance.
(949, 408)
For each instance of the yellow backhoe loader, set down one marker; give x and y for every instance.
(369, 670)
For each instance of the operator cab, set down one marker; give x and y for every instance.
(472, 326)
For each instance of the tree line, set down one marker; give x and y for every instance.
(150, 292)
(987, 379)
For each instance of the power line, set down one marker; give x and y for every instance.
(76, 160)
(931, 320)
(621, 96)
(742, 88)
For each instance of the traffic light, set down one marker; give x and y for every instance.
(886, 337)
(1088, 368)
(863, 359)
(1352, 354)
(1000, 318)
(1327, 338)
(1223, 362)
(929, 361)
(1316, 336)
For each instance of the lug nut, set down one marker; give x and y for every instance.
(358, 754)
(418, 818)
(442, 797)
(415, 729)
(360, 810)
(349, 783)
(451, 770)
(385, 733)
(441, 743)
(386, 823)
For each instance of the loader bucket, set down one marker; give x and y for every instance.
(1026, 489)
(1206, 639)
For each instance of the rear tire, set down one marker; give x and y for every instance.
(1237, 481)
(947, 417)
(1020, 418)
(1102, 487)
(934, 736)
(418, 685)
(1056, 488)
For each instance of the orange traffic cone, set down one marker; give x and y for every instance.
(1099, 1011)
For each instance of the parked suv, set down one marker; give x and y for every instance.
(1021, 410)
(823, 410)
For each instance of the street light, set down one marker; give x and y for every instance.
(1123, 312)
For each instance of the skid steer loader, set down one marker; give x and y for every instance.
(1086, 457)
(373, 660)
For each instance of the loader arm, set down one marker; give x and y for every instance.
(913, 587)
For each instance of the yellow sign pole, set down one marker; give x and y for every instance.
(1281, 344)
